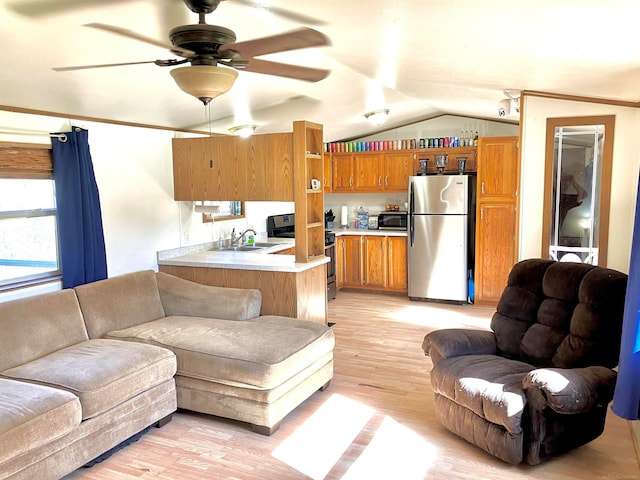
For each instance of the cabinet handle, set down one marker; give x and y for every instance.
(210, 163)
(350, 181)
(483, 188)
(379, 180)
(386, 181)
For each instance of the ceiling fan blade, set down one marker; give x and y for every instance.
(294, 40)
(39, 8)
(183, 52)
(297, 72)
(284, 13)
(85, 67)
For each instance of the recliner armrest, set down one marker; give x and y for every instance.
(454, 342)
(187, 298)
(571, 390)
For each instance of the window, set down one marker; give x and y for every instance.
(28, 226)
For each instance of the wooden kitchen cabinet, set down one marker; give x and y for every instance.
(269, 169)
(397, 264)
(397, 169)
(369, 169)
(348, 259)
(374, 263)
(371, 262)
(342, 174)
(327, 180)
(429, 154)
(233, 168)
(496, 217)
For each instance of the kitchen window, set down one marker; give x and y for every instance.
(29, 251)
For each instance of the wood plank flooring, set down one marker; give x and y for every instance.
(375, 421)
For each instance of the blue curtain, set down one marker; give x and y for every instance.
(626, 400)
(82, 252)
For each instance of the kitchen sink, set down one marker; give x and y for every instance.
(246, 247)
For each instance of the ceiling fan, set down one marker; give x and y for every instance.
(205, 46)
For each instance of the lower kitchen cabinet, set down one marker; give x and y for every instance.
(397, 265)
(372, 262)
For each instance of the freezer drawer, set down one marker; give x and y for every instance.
(437, 257)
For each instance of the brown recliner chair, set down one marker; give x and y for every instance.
(540, 383)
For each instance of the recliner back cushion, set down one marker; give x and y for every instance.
(120, 302)
(33, 327)
(565, 315)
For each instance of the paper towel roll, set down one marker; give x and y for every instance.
(344, 216)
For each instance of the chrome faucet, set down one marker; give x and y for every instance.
(235, 240)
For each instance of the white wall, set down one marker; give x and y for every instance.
(447, 126)
(626, 162)
(134, 173)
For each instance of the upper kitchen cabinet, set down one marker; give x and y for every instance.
(327, 180)
(389, 171)
(270, 167)
(224, 167)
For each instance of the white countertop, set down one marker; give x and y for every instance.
(205, 255)
(365, 231)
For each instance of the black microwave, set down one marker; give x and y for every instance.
(392, 221)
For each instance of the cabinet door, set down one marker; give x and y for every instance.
(193, 170)
(342, 174)
(352, 261)
(495, 250)
(369, 171)
(498, 169)
(397, 263)
(270, 168)
(340, 262)
(374, 269)
(326, 181)
(397, 168)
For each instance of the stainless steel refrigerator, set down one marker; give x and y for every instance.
(441, 237)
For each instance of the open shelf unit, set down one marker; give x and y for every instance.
(308, 165)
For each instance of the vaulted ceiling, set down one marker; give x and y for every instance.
(419, 58)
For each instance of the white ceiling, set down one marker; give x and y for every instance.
(419, 58)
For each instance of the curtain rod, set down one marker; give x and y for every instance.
(61, 136)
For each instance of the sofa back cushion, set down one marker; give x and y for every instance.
(33, 327)
(565, 315)
(185, 298)
(119, 302)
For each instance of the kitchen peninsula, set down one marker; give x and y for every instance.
(288, 288)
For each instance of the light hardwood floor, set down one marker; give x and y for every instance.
(375, 421)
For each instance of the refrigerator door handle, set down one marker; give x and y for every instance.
(411, 222)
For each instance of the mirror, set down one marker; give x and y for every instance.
(579, 153)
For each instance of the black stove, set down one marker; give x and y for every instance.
(281, 226)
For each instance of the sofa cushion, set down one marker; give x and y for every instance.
(36, 326)
(101, 373)
(185, 298)
(119, 302)
(259, 353)
(488, 385)
(34, 415)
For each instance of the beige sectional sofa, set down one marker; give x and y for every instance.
(83, 370)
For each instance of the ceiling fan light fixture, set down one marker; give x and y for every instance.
(205, 82)
(377, 117)
(243, 130)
